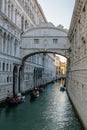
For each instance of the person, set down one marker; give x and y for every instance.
(8, 94)
(19, 96)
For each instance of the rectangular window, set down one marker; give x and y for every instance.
(55, 41)
(36, 41)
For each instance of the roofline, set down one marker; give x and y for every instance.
(76, 13)
(41, 10)
(42, 27)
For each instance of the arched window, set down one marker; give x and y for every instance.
(4, 42)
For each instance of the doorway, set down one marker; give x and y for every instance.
(15, 80)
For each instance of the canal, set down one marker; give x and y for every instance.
(52, 110)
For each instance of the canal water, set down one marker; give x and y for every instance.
(52, 110)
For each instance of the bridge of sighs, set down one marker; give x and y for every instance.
(44, 38)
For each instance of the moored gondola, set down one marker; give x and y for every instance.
(12, 101)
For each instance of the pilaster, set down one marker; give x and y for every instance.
(13, 41)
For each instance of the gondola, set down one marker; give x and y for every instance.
(12, 101)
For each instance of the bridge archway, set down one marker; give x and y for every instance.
(45, 38)
(40, 52)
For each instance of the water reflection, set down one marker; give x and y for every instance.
(52, 110)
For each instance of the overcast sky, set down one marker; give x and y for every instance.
(58, 11)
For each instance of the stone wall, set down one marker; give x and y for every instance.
(77, 69)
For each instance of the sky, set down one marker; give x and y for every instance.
(58, 11)
(62, 58)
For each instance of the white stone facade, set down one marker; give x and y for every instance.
(77, 65)
(15, 17)
(45, 38)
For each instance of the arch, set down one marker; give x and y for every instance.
(15, 80)
(45, 38)
(39, 52)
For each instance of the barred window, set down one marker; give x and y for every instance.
(55, 41)
(36, 41)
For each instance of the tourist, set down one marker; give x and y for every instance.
(8, 94)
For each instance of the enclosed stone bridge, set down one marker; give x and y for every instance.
(45, 38)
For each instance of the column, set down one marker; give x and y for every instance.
(13, 14)
(6, 44)
(20, 21)
(6, 8)
(13, 46)
(11, 41)
(10, 10)
(17, 48)
(9, 44)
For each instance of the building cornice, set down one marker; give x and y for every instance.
(76, 13)
(41, 10)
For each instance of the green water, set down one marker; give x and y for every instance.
(52, 110)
